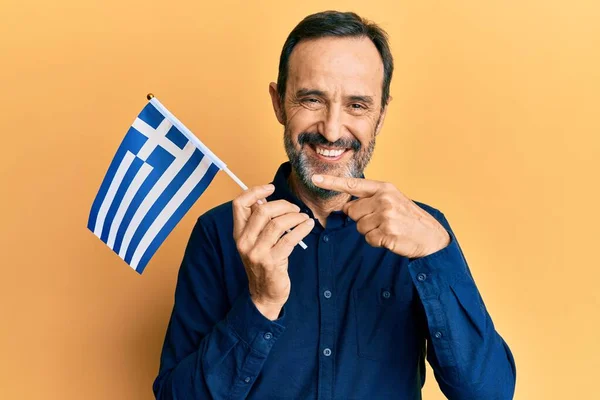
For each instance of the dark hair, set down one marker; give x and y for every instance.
(337, 24)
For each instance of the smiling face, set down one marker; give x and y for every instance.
(332, 108)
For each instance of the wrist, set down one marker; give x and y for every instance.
(441, 244)
(270, 310)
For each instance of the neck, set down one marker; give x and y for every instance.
(321, 208)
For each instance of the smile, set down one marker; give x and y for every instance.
(328, 154)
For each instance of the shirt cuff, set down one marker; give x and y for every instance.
(441, 268)
(253, 328)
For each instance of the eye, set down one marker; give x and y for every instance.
(357, 108)
(312, 103)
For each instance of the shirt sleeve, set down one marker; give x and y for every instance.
(469, 358)
(212, 349)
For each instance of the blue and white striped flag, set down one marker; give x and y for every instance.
(158, 173)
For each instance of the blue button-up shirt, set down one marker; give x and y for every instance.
(359, 322)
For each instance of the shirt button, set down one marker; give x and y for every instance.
(386, 294)
(421, 277)
(326, 238)
(247, 379)
(438, 335)
(327, 352)
(327, 294)
(268, 336)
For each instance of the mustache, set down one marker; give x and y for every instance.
(312, 138)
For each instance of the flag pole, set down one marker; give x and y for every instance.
(200, 146)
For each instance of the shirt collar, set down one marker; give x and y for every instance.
(283, 191)
(282, 187)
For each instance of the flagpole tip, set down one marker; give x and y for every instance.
(149, 96)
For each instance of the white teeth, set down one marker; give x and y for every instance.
(329, 153)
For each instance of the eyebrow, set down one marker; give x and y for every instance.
(309, 92)
(364, 99)
(315, 92)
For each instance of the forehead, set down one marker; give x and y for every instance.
(350, 65)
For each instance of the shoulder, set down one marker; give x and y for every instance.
(218, 220)
(213, 233)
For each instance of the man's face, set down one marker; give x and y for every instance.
(332, 109)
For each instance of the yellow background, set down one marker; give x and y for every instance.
(495, 120)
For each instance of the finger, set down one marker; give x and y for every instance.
(262, 215)
(356, 209)
(258, 203)
(241, 206)
(286, 244)
(367, 223)
(358, 187)
(277, 227)
(375, 237)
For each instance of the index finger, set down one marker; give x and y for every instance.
(243, 203)
(358, 187)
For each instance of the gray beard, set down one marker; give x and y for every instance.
(305, 168)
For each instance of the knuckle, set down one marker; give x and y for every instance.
(261, 210)
(353, 212)
(388, 212)
(352, 183)
(395, 230)
(386, 227)
(244, 246)
(254, 257)
(254, 190)
(384, 195)
(387, 187)
(241, 246)
(386, 198)
(360, 225)
(275, 225)
(371, 239)
(388, 243)
(287, 241)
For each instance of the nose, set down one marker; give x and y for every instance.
(331, 125)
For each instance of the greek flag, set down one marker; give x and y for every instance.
(157, 174)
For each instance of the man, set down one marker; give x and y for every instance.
(258, 317)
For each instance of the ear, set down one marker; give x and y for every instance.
(382, 117)
(276, 100)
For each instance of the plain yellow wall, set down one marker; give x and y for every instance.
(495, 120)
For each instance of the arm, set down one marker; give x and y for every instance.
(212, 350)
(469, 358)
